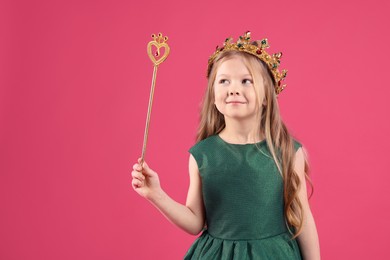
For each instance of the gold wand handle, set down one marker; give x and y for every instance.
(159, 42)
(148, 115)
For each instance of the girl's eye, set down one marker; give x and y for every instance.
(247, 81)
(223, 81)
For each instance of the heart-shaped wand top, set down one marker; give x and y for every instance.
(159, 43)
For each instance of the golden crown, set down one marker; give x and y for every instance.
(256, 48)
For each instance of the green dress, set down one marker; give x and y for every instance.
(243, 198)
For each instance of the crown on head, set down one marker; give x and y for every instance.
(256, 48)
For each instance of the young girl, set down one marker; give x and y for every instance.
(248, 175)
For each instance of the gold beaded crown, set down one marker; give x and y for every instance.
(256, 48)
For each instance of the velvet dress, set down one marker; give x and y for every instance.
(243, 198)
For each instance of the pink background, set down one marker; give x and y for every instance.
(75, 81)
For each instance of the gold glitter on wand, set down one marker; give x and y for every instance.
(159, 42)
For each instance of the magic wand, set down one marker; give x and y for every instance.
(159, 42)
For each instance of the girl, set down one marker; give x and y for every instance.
(248, 175)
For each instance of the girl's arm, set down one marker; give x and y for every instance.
(308, 239)
(189, 217)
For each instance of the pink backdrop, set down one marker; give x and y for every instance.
(75, 80)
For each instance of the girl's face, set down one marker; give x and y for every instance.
(235, 94)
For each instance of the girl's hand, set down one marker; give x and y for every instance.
(145, 181)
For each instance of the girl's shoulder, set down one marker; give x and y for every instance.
(203, 149)
(297, 144)
(203, 144)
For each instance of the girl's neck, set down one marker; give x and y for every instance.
(239, 132)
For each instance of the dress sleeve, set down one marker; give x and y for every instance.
(195, 151)
(297, 145)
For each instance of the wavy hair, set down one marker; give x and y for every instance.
(279, 140)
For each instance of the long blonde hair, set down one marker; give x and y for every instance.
(279, 140)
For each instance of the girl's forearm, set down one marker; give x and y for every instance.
(178, 214)
(308, 239)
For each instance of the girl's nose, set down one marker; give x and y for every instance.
(233, 93)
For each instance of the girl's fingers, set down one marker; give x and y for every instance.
(143, 170)
(146, 170)
(136, 183)
(137, 175)
(137, 167)
(144, 164)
